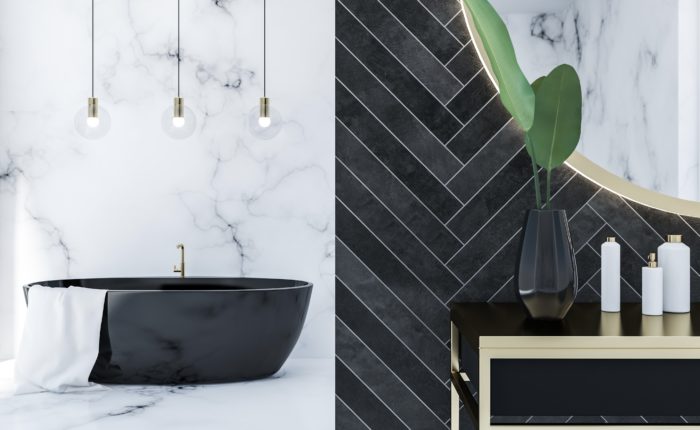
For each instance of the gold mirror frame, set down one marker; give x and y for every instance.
(592, 171)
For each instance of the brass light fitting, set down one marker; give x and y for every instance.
(93, 119)
(179, 107)
(178, 112)
(264, 120)
(264, 107)
(92, 107)
(610, 239)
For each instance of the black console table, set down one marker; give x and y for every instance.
(590, 364)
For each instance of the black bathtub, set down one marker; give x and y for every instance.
(194, 330)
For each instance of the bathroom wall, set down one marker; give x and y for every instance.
(75, 208)
(631, 56)
(432, 186)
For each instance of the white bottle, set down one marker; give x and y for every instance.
(652, 288)
(610, 276)
(674, 258)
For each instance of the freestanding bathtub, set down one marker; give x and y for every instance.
(194, 330)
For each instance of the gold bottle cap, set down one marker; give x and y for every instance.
(652, 260)
(674, 238)
(610, 239)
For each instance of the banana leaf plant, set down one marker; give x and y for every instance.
(548, 110)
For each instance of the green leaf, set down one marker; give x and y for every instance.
(537, 83)
(528, 143)
(556, 129)
(515, 91)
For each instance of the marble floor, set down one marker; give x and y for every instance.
(300, 396)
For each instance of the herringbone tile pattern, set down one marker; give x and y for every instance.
(432, 189)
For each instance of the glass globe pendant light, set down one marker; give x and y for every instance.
(264, 122)
(178, 121)
(92, 121)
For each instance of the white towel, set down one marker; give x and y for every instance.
(60, 341)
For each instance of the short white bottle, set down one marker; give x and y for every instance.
(674, 258)
(652, 288)
(610, 276)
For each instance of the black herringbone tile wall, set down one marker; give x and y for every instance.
(432, 189)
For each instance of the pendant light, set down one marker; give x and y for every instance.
(264, 122)
(92, 121)
(178, 121)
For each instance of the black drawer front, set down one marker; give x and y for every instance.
(615, 387)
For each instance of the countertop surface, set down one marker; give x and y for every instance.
(584, 319)
(300, 396)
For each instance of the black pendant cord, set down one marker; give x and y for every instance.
(92, 59)
(178, 48)
(264, 48)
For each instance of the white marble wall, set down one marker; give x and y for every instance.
(70, 207)
(627, 55)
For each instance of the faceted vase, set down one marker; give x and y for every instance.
(545, 275)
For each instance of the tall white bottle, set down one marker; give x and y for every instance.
(610, 276)
(652, 288)
(674, 258)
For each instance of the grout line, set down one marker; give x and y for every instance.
(485, 264)
(399, 338)
(494, 214)
(447, 64)
(439, 22)
(392, 252)
(398, 219)
(397, 178)
(591, 237)
(686, 223)
(372, 391)
(642, 219)
(500, 288)
(379, 81)
(389, 289)
(500, 169)
(408, 69)
(453, 18)
(479, 150)
(585, 204)
(420, 161)
(458, 92)
(591, 277)
(478, 72)
(414, 36)
(593, 289)
(353, 412)
(466, 124)
(385, 365)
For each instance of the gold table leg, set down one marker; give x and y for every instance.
(454, 368)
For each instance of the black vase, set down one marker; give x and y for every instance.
(545, 275)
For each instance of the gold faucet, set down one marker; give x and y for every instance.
(181, 269)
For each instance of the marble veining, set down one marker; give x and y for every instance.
(74, 208)
(626, 53)
(274, 402)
